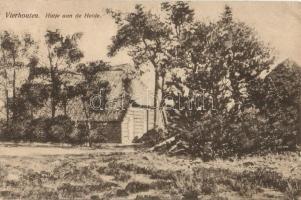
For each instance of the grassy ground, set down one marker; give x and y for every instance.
(47, 172)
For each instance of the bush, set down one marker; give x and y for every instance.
(96, 136)
(135, 186)
(37, 130)
(60, 128)
(150, 138)
(121, 193)
(211, 138)
(79, 134)
(14, 132)
(251, 132)
(41, 129)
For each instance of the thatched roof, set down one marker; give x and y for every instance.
(285, 80)
(287, 66)
(76, 111)
(117, 100)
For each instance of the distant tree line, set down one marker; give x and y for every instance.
(52, 81)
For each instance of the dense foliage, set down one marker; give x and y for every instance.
(242, 111)
(59, 129)
(214, 73)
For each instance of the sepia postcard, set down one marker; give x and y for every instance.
(150, 100)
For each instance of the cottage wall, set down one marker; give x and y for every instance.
(136, 122)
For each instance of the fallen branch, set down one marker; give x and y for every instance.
(164, 143)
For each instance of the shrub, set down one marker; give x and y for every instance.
(121, 193)
(95, 197)
(37, 130)
(190, 195)
(68, 190)
(187, 185)
(60, 128)
(135, 186)
(96, 136)
(147, 197)
(150, 138)
(121, 176)
(212, 137)
(217, 135)
(40, 129)
(79, 134)
(14, 131)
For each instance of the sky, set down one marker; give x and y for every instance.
(277, 23)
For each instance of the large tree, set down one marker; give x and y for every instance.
(152, 41)
(223, 60)
(214, 100)
(16, 52)
(87, 88)
(63, 54)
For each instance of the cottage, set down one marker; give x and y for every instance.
(122, 119)
(121, 126)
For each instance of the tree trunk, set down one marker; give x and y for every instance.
(156, 94)
(162, 89)
(299, 123)
(14, 96)
(53, 106)
(65, 107)
(65, 110)
(7, 107)
(52, 79)
(31, 112)
(89, 133)
(88, 123)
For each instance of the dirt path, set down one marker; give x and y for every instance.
(10, 149)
